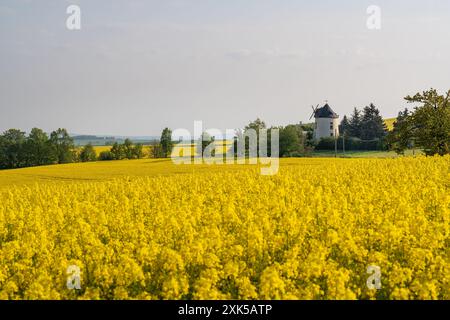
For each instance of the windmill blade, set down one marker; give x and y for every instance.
(314, 111)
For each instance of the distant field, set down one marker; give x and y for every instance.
(390, 123)
(178, 147)
(364, 154)
(99, 149)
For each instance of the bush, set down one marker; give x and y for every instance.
(351, 144)
(88, 154)
(157, 152)
(105, 156)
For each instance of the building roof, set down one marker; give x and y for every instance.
(325, 112)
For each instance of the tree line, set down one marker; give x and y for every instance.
(427, 127)
(295, 140)
(367, 124)
(18, 150)
(364, 129)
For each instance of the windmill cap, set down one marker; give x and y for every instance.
(325, 112)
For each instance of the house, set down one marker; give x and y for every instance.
(327, 122)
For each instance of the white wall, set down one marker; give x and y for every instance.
(324, 129)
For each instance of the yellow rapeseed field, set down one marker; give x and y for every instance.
(148, 229)
(147, 149)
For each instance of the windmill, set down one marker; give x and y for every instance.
(325, 123)
(314, 111)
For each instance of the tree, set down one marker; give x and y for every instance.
(128, 149)
(291, 141)
(138, 151)
(12, 149)
(117, 151)
(156, 151)
(204, 141)
(344, 127)
(166, 143)
(256, 125)
(401, 136)
(88, 153)
(431, 121)
(354, 129)
(372, 124)
(62, 145)
(105, 156)
(38, 149)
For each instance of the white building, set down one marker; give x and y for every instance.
(327, 122)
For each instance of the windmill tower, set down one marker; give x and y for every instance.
(327, 122)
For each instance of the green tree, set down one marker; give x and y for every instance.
(401, 136)
(105, 156)
(138, 151)
(291, 141)
(344, 127)
(156, 151)
(204, 141)
(354, 128)
(431, 121)
(38, 149)
(88, 153)
(12, 153)
(256, 125)
(63, 146)
(372, 124)
(117, 151)
(128, 149)
(166, 143)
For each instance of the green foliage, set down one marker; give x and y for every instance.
(12, 153)
(88, 153)
(138, 151)
(294, 140)
(430, 122)
(354, 128)
(291, 141)
(105, 156)
(18, 150)
(118, 152)
(364, 130)
(372, 124)
(344, 127)
(128, 149)
(351, 143)
(204, 141)
(63, 146)
(38, 149)
(166, 143)
(242, 137)
(157, 151)
(401, 137)
(256, 125)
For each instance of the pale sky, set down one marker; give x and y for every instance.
(137, 66)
